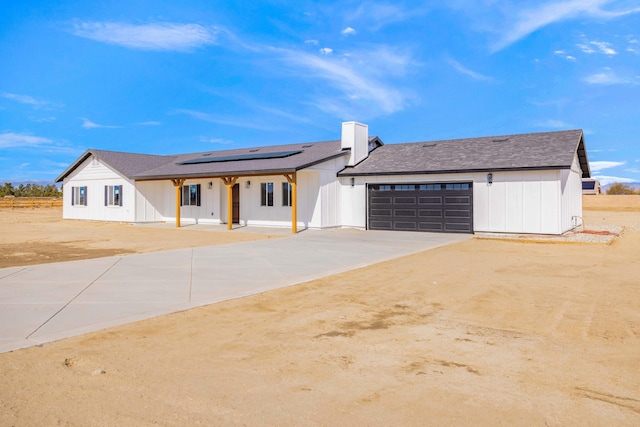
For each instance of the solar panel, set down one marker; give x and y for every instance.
(238, 157)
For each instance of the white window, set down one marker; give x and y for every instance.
(190, 195)
(266, 194)
(113, 195)
(79, 196)
(286, 194)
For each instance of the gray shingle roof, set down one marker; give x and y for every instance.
(544, 150)
(128, 164)
(147, 167)
(310, 154)
(531, 151)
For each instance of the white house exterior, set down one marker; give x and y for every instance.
(530, 183)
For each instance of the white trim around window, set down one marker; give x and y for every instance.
(266, 194)
(79, 196)
(113, 195)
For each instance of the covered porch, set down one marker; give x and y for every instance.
(232, 190)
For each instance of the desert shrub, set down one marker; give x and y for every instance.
(619, 188)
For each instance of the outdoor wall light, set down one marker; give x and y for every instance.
(247, 184)
(353, 181)
(490, 178)
(210, 185)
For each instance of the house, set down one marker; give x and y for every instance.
(591, 186)
(527, 183)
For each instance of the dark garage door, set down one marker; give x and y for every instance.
(440, 207)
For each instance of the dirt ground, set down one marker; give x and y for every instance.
(37, 236)
(484, 332)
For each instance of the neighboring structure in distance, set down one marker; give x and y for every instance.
(527, 183)
(591, 186)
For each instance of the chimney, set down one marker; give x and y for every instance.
(355, 136)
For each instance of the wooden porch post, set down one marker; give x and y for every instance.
(178, 182)
(229, 181)
(292, 179)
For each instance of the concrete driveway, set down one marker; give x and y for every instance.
(47, 302)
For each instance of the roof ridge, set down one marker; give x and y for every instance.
(436, 141)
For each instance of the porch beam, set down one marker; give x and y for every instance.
(230, 181)
(178, 183)
(292, 180)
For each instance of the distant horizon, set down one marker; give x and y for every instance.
(161, 78)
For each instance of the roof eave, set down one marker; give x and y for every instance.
(452, 171)
(581, 151)
(74, 165)
(215, 175)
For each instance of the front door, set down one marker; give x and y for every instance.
(235, 196)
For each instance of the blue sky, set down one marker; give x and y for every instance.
(167, 77)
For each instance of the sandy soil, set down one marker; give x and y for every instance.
(37, 236)
(483, 332)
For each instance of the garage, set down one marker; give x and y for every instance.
(431, 207)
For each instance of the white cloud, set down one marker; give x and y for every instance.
(463, 70)
(88, 124)
(378, 14)
(42, 119)
(18, 140)
(607, 179)
(600, 165)
(216, 140)
(381, 60)
(585, 48)
(360, 93)
(326, 50)
(149, 123)
(531, 20)
(230, 121)
(605, 77)
(158, 36)
(349, 31)
(563, 54)
(313, 42)
(280, 113)
(604, 47)
(26, 99)
(552, 123)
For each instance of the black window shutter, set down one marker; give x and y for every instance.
(73, 192)
(106, 195)
(120, 193)
(198, 195)
(86, 195)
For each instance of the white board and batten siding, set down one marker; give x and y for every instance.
(515, 202)
(318, 199)
(572, 196)
(327, 209)
(95, 175)
(252, 213)
(156, 202)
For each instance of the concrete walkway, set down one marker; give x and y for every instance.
(44, 303)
